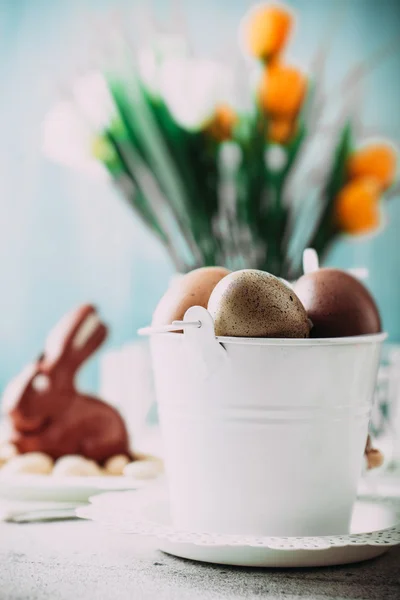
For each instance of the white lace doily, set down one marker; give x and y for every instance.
(141, 514)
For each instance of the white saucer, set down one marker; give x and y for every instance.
(375, 528)
(62, 489)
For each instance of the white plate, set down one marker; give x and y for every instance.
(62, 489)
(375, 528)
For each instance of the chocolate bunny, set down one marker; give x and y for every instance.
(48, 414)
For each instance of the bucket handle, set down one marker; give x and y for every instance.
(202, 349)
(174, 326)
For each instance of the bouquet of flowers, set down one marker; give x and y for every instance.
(244, 176)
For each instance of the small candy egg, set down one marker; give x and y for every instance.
(76, 466)
(192, 289)
(373, 457)
(338, 304)
(144, 469)
(31, 463)
(251, 303)
(116, 464)
(7, 452)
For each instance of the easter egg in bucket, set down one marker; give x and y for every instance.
(253, 303)
(337, 303)
(192, 289)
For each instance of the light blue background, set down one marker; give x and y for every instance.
(65, 239)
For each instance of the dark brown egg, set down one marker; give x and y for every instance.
(337, 304)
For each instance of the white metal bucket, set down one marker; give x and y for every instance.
(263, 436)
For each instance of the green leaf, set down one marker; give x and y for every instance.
(293, 148)
(337, 177)
(135, 197)
(195, 158)
(252, 174)
(327, 231)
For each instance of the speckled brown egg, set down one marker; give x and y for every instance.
(251, 303)
(193, 289)
(338, 304)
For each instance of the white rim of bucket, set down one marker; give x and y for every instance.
(336, 341)
(198, 318)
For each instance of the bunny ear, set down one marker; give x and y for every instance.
(75, 337)
(88, 327)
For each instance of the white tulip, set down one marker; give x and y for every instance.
(192, 88)
(275, 158)
(149, 64)
(94, 99)
(68, 139)
(150, 59)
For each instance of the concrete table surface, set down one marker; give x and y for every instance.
(73, 560)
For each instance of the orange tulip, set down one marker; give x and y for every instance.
(267, 30)
(282, 91)
(377, 161)
(357, 208)
(222, 123)
(281, 131)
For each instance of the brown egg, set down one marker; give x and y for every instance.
(251, 303)
(337, 304)
(193, 289)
